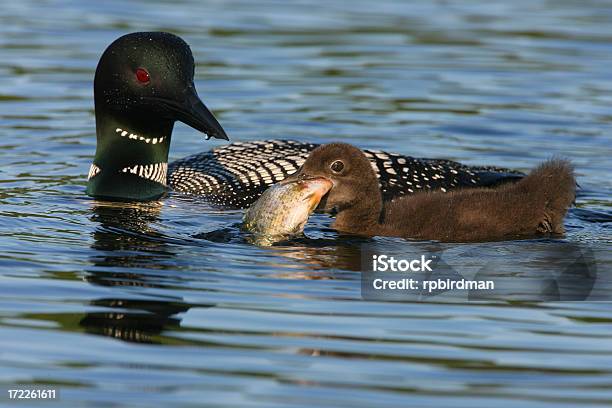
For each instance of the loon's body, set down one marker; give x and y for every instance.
(237, 174)
(144, 83)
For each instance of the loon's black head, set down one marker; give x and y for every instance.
(143, 84)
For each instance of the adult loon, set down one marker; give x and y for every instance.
(533, 206)
(144, 83)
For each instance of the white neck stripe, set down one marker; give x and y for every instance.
(133, 136)
(156, 172)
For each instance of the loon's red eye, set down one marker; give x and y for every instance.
(142, 75)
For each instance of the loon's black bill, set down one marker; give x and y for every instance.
(197, 115)
(194, 113)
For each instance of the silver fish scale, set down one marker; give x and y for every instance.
(235, 175)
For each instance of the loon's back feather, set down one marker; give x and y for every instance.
(237, 174)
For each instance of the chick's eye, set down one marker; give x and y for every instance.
(337, 166)
(142, 75)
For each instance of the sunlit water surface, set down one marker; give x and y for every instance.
(120, 303)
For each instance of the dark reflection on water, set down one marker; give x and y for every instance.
(125, 242)
(136, 321)
(562, 271)
(168, 304)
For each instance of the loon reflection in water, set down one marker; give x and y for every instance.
(125, 244)
(126, 241)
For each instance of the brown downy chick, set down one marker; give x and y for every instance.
(535, 205)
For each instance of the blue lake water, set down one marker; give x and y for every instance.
(119, 304)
